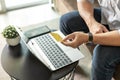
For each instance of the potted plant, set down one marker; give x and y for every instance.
(11, 35)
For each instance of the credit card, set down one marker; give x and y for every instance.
(56, 36)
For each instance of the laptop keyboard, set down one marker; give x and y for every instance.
(54, 53)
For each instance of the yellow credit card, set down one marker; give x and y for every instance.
(56, 36)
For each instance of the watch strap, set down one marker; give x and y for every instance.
(90, 37)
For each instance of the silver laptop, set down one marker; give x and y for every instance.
(46, 46)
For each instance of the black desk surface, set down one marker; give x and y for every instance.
(21, 64)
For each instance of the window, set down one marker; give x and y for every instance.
(2, 6)
(17, 4)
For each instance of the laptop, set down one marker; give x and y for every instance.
(46, 46)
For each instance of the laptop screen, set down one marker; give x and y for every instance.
(26, 35)
(36, 32)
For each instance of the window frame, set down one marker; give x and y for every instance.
(4, 8)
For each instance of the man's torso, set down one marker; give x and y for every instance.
(110, 13)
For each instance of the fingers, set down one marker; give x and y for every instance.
(105, 29)
(68, 37)
(72, 43)
(67, 43)
(102, 30)
(69, 40)
(99, 31)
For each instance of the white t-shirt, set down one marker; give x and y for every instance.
(110, 13)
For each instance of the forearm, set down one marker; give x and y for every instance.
(86, 11)
(111, 38)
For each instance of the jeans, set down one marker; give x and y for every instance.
(105, 58)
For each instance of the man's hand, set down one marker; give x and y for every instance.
(96, 27)
(86, 11)
(75, 39)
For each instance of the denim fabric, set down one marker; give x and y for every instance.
(105, 58)
(72, 22)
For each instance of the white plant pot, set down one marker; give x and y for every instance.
(14, 41)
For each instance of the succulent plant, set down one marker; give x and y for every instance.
(10, 32)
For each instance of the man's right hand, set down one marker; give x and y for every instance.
(96, 27)
(85, 8)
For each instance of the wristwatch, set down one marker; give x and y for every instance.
(90, 37)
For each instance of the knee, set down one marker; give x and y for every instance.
(98, 57)
(102, 57)
(64, 22)
(106, 55)
(68, 18)
(67, 21)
